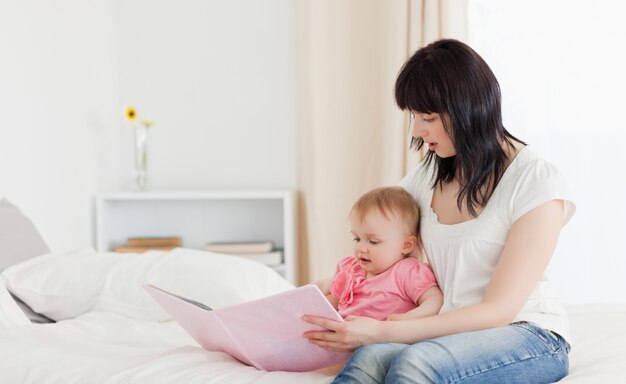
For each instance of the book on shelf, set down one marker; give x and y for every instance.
(267, 258)
(266, 333)
(174, 241)
(125, 249)
(240, 247)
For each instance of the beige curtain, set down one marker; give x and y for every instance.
(351, 136)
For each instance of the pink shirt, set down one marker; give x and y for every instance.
(394, 291)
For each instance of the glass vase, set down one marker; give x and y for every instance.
(141, 156)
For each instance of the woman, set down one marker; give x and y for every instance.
(492, 213)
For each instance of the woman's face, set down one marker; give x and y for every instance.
(429, 127)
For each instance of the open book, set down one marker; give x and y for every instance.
(266, 333)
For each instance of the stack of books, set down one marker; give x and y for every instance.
(261, 251)
(143, 244)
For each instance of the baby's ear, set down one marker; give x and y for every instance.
(410, 243)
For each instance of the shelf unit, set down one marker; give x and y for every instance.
(201, 217)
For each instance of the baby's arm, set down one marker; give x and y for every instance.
(324, 286)
(428, 304)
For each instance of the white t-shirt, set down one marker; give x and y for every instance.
(463, 256)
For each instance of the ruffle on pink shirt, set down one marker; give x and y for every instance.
(349, 275)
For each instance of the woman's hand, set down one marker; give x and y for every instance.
(344, 336)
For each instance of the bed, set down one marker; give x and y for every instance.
(108, 330)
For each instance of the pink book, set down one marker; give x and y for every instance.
(265, 333)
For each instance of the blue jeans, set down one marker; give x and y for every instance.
(518, 353)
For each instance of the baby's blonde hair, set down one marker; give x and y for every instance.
(389, 201)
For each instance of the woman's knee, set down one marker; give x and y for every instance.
(369, 364)
(423, 362)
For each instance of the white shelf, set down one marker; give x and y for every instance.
(200, 217)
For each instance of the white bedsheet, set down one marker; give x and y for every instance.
(598, 352)
(102, 347)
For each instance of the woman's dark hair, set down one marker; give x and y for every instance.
(449, 78)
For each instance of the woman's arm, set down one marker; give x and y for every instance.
(428, 304)
(525, 256)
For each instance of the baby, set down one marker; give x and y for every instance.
(384, 279)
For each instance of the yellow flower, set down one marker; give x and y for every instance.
(131, 114)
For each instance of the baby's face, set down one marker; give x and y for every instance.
(379, 242)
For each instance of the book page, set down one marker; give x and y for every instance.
(271, 330)
(201, 324)
(266, 333)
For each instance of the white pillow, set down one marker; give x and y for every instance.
(11, 316)
(61, 286)
(65, 286)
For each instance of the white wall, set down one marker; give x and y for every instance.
(218, 77)
(561, 65)
(58, 90)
